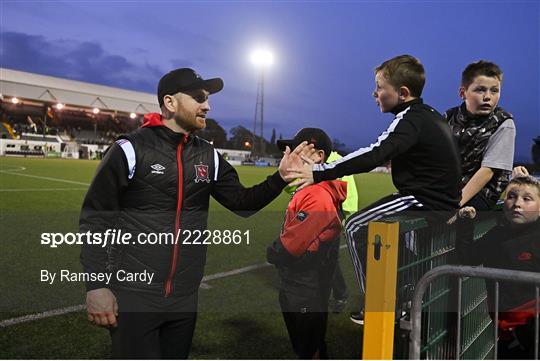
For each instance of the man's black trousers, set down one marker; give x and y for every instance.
(153, 327)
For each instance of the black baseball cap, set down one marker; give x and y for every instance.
(184, 79)
(315, 136)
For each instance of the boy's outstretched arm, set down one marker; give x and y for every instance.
(498, 157)
(475, 184)
(398, 138)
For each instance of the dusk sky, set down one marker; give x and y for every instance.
(325, 54)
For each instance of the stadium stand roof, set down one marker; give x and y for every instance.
(43, 88)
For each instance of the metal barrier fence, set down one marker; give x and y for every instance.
(420, 248)
(462, 333)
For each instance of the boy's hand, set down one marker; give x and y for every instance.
(303, 175)
(292, 160)
(465, 212)
(519, 171)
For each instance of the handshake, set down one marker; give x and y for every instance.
(296, 166)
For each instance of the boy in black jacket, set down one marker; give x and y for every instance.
(425, 163)
(513, 244)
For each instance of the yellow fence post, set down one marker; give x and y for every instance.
(380, 304)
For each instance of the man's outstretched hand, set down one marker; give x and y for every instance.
(101, 307)
(301, 172)
(293, 160)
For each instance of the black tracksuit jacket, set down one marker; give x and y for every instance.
(425, 161)
(174, 177)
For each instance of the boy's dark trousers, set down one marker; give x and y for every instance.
(339, 287)
(307, 328)
(304, 303)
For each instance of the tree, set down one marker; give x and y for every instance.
(213, 133)
(273, 139)
(339, 147)
(239, 136)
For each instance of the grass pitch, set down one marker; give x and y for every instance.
(239, 314)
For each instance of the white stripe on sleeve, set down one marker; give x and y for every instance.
(216, 164)
(129, 151)
(382, 137)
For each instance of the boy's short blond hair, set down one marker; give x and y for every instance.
(481, 67)
(526, 181)
(404, 70)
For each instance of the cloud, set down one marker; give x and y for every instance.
(181, 63)
(85, 61)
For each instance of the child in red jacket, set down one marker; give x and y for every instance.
(306, 251)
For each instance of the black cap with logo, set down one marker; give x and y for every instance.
(184, 79)
(315, 136)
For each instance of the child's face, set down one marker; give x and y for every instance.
(385, 94)
(482, 96)
(521, 204)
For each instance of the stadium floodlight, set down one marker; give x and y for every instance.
(95, 110)
(132, 115)
(59, 106)
(15, 100)
(247, 144)
(262, 57)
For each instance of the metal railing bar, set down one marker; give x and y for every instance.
(536, 309)
(496, 318)
(458, 331)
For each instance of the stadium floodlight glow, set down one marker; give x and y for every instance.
(59, 106)
(262, 57)
(132, 115)
(95, 110)
(15, 100)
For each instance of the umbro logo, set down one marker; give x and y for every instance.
(157, 168)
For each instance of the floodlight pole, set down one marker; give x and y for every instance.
(259, 116)
(254, 134)
(262, 112)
